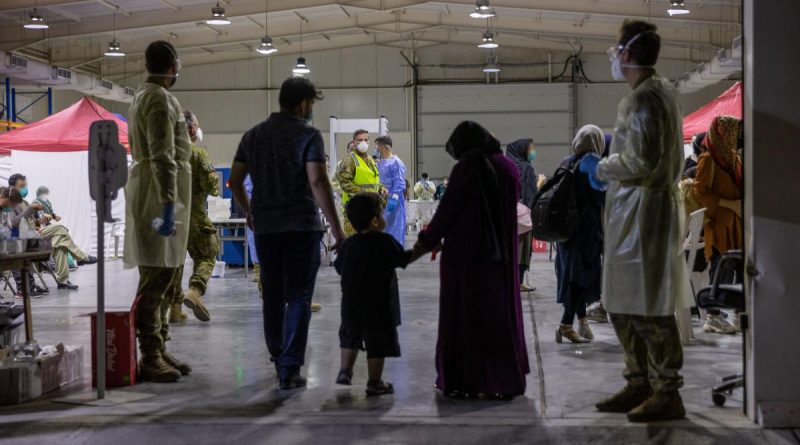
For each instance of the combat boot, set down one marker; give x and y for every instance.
(194, 302)
(256, 273)
(659, 407)
(176, 314)
(180, 366)
(153, 368)
(629, 398)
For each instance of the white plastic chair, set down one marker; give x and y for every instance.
(691, 244)
(117, 232)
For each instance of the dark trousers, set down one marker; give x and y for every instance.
(289, 265)
(574, 304)
(18, 280)
(653, 350)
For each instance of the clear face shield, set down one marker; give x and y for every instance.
(615, 54)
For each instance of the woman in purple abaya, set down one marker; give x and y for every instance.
(481, 347)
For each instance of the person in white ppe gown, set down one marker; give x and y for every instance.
(393, 177)
(157, 206)
(644, 278)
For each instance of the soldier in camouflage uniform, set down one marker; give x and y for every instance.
(203, 241)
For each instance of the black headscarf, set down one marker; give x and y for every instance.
(517, 151)
(470, 144)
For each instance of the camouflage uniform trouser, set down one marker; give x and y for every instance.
(203, 248)
(158, 288)
(653, 350)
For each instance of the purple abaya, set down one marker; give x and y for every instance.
(481, 346)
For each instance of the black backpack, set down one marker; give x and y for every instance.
(555, 214)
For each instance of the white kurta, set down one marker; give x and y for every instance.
(644, 270)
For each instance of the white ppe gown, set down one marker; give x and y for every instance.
(644, 271)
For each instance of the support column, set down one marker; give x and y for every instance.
(772, 210)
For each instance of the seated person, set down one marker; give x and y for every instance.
(47, 215)
(370, 297)
(63, 244)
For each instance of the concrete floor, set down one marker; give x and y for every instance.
(232, 397)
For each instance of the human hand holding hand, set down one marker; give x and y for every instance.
(339, 237)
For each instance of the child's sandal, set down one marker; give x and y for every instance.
(379, 388)
(345, 377)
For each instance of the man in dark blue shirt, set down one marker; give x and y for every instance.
(285, 158)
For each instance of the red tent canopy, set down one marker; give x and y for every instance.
(67, 130)
(728, 104)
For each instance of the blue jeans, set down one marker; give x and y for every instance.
(289, 265)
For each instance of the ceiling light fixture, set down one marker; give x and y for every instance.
(677, 7)
(36, 21)
(266, 47)
(482, 10)
(491, 65)
(218, 16)
(488, 41)
(301, 69)
(113, 46)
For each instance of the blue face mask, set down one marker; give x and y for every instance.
(531, 156)
(23, 192)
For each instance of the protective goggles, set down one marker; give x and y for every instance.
(615, 51)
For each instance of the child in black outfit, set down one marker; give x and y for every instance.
(370, 298)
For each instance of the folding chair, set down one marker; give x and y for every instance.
(7, 280)
(691, 245)
(39, 268)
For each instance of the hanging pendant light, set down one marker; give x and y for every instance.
(113, 46)
(301, 69)
(266, 47)
(677, 7)
(482, 10)
(491, 65)
(488, 41)
(218, 16)
(36, 21)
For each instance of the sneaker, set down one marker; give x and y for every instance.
(293, 381)
(717, 324)
(316, 307)
(36, 289)
(627, 399)
(659, 407)
(89, 260)
(597, 313)
(68, 285)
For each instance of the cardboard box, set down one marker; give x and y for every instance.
(24, 381)
(121, 357)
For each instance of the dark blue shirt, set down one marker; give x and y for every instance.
(276, 152)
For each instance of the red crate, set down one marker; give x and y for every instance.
(121, 357)
(540, 246)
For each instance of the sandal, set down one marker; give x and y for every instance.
(345, 377)
(380, 388)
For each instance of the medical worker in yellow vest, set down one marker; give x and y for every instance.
(358, 173)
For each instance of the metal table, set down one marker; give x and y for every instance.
(22, 262)
(235, 225)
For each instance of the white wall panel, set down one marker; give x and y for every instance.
(510, 111)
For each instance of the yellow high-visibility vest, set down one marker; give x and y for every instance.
(366, 178)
